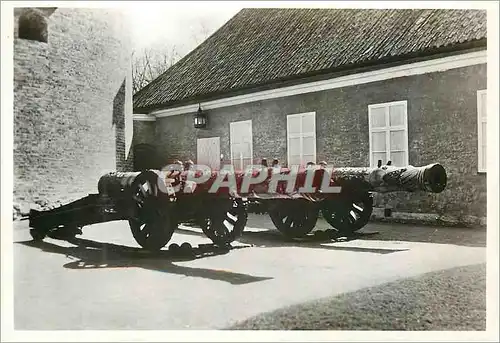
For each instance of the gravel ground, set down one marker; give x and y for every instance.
(453, 299)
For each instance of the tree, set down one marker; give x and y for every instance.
(201, 32)
(149, 63)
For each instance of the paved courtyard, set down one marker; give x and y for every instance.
(103, 280)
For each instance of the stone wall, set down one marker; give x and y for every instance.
(72, 105)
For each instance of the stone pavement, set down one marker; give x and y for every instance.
(103, 280)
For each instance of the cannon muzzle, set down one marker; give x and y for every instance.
(434, 178)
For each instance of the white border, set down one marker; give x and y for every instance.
(480, 120)
(387, 129)
(417, 68)
(492, 176)
(491, 334)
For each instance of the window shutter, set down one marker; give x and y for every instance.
(397, 140)
(378, 117)
(241, 144)
(388, 133)
(301, 138)
(397, 115)
(379, 141)
(294, 125)
(308, 123)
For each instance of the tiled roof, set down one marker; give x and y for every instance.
(262, 46)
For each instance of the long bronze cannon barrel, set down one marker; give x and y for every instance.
(154, 204)
(430, 178)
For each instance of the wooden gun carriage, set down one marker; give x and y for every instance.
(155, 202)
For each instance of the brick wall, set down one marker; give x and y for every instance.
(72, 105)
(442, 125)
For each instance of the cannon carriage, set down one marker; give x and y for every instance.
(155, 202)
(152, 207)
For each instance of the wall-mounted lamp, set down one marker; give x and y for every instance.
(200, 119)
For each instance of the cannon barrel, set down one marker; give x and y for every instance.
(115, 183)
(430, 178)
(146, 198)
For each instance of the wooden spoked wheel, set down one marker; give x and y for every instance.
(224, 221)
(348, 214)
(152, 223)
(294, 218)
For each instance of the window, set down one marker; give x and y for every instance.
(301, 138)
(33, 25)
(388, 125)
(240, 135)
(481, 126)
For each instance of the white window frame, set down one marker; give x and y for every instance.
(300, 135)
(480, 120)
(387, 129)
(231, 125)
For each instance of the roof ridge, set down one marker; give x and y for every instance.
(261, 46)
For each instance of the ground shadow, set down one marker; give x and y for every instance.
(273, 238)
(89, 254)
(472, 237)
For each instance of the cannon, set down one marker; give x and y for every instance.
(155, 202)
(350, 208)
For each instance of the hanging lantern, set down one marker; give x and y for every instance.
(200, 119)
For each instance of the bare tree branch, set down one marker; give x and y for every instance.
(149, 63)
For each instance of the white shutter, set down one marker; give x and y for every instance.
(208, 152)
(308, 123)
(294, 125)
(388, 133)
(301, 138)
(397, 139)
(308, 149)
(294, 146)
(481, 125)
(379, 142)
(377, 117)
(240, 135)
(397, 113)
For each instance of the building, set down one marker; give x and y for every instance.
(349, 86)
(72, 102)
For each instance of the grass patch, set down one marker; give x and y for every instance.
(453, 299)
